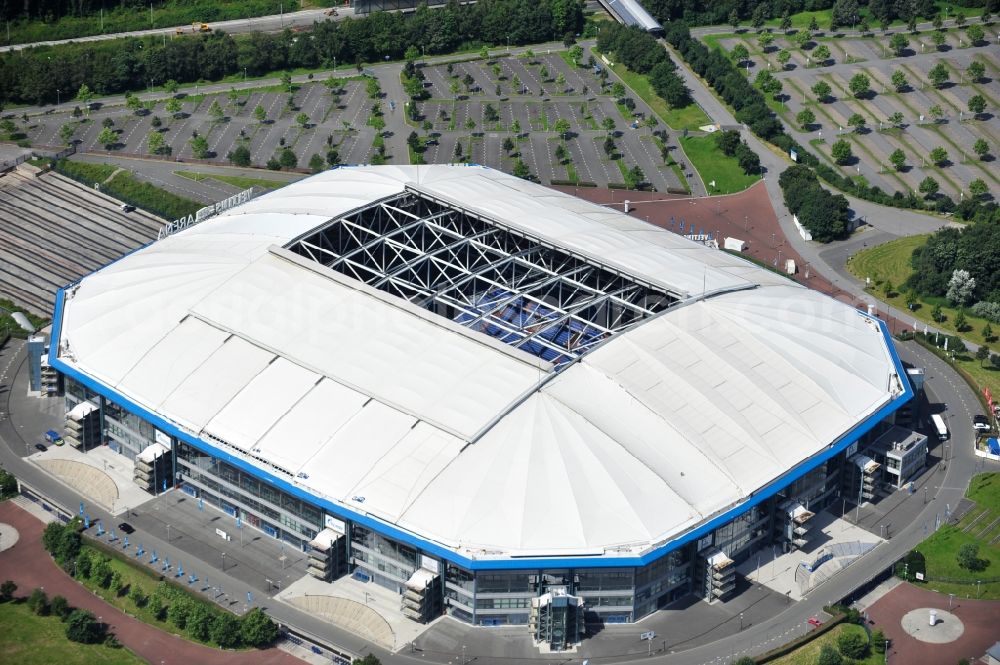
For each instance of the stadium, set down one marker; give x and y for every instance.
(503, 402)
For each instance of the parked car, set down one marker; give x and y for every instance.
(41, 446)
(125, 527)
(981, 423)
(127, 207)
(53, 437)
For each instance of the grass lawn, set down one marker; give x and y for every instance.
(688, 117)
(941, 548)
(802, 19)
(42, 641)
(706, 157)
(808, 654)
(236, 181)
(891, 262)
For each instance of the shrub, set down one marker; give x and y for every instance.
(226, 630)
(852, 645)
(7, 590)
(829, 656)
(59, 607)
(987, 310)
(258, 630)
(82, 627)
(38, 602)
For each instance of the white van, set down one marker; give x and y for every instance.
(939, 427)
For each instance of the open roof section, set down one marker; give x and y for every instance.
(484, 275)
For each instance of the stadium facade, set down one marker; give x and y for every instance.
(501, 401)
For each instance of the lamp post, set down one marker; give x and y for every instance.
(223, 561)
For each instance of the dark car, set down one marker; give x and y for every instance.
(125, 527)
(981, 423)
(41, 446)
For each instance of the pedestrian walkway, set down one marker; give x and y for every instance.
(100, 474)
(30, 567)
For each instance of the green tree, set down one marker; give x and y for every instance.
(841, 152)
(51, 535)
(634, 177)
(981, 148)
(783, 57)
(734, 19)
(805, 118)
(215, 111)
(898, 159)
(878, 641)
(939, 39)
(259, 114)
(813, 24)
(822, 91)
(240, 156)
(938, 156)
(977, 104)
(765, 39)
(411, 54)
(171, 86)
(85, 95)
(287, 159)
(155, 142)
(136, 595)
(978, 188)
(988, 332)
(860, 85)
(521, 169)
(899, 43)
(7, 590)
(852, 644)
(116, 583)
(199, 622)
(226, 630)
(173, 106)
(821, 53)
(976, 71)
(233, 95)
(199, 147)
(857, 121)
(960, 321)
(286, 81)
(608, 124)
(937, 314)
(982, 355)
(179, 610)
(332, 157)
(739, 55)
(968, 557)
(82, 627)
(896, 119)
(561, 82)
(786, 22)
(302, 119)
(929, 187)
(132, 102)
(507, 145)
(938, 75)
(562, 127)
(155, 607)
(108, 138)
(899, 81)
(257, 629)
(829, 656)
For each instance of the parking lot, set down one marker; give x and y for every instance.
(469, 109)
(956, 129)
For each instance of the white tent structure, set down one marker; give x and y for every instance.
(294, 333)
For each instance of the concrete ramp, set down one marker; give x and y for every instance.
(85, 479)
(349, 615)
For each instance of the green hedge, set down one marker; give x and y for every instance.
(786, 649)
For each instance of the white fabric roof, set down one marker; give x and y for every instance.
(374, 404)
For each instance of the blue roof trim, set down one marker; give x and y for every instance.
(519, 563)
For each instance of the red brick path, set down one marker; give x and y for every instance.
(30, 566)
(980, 617)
